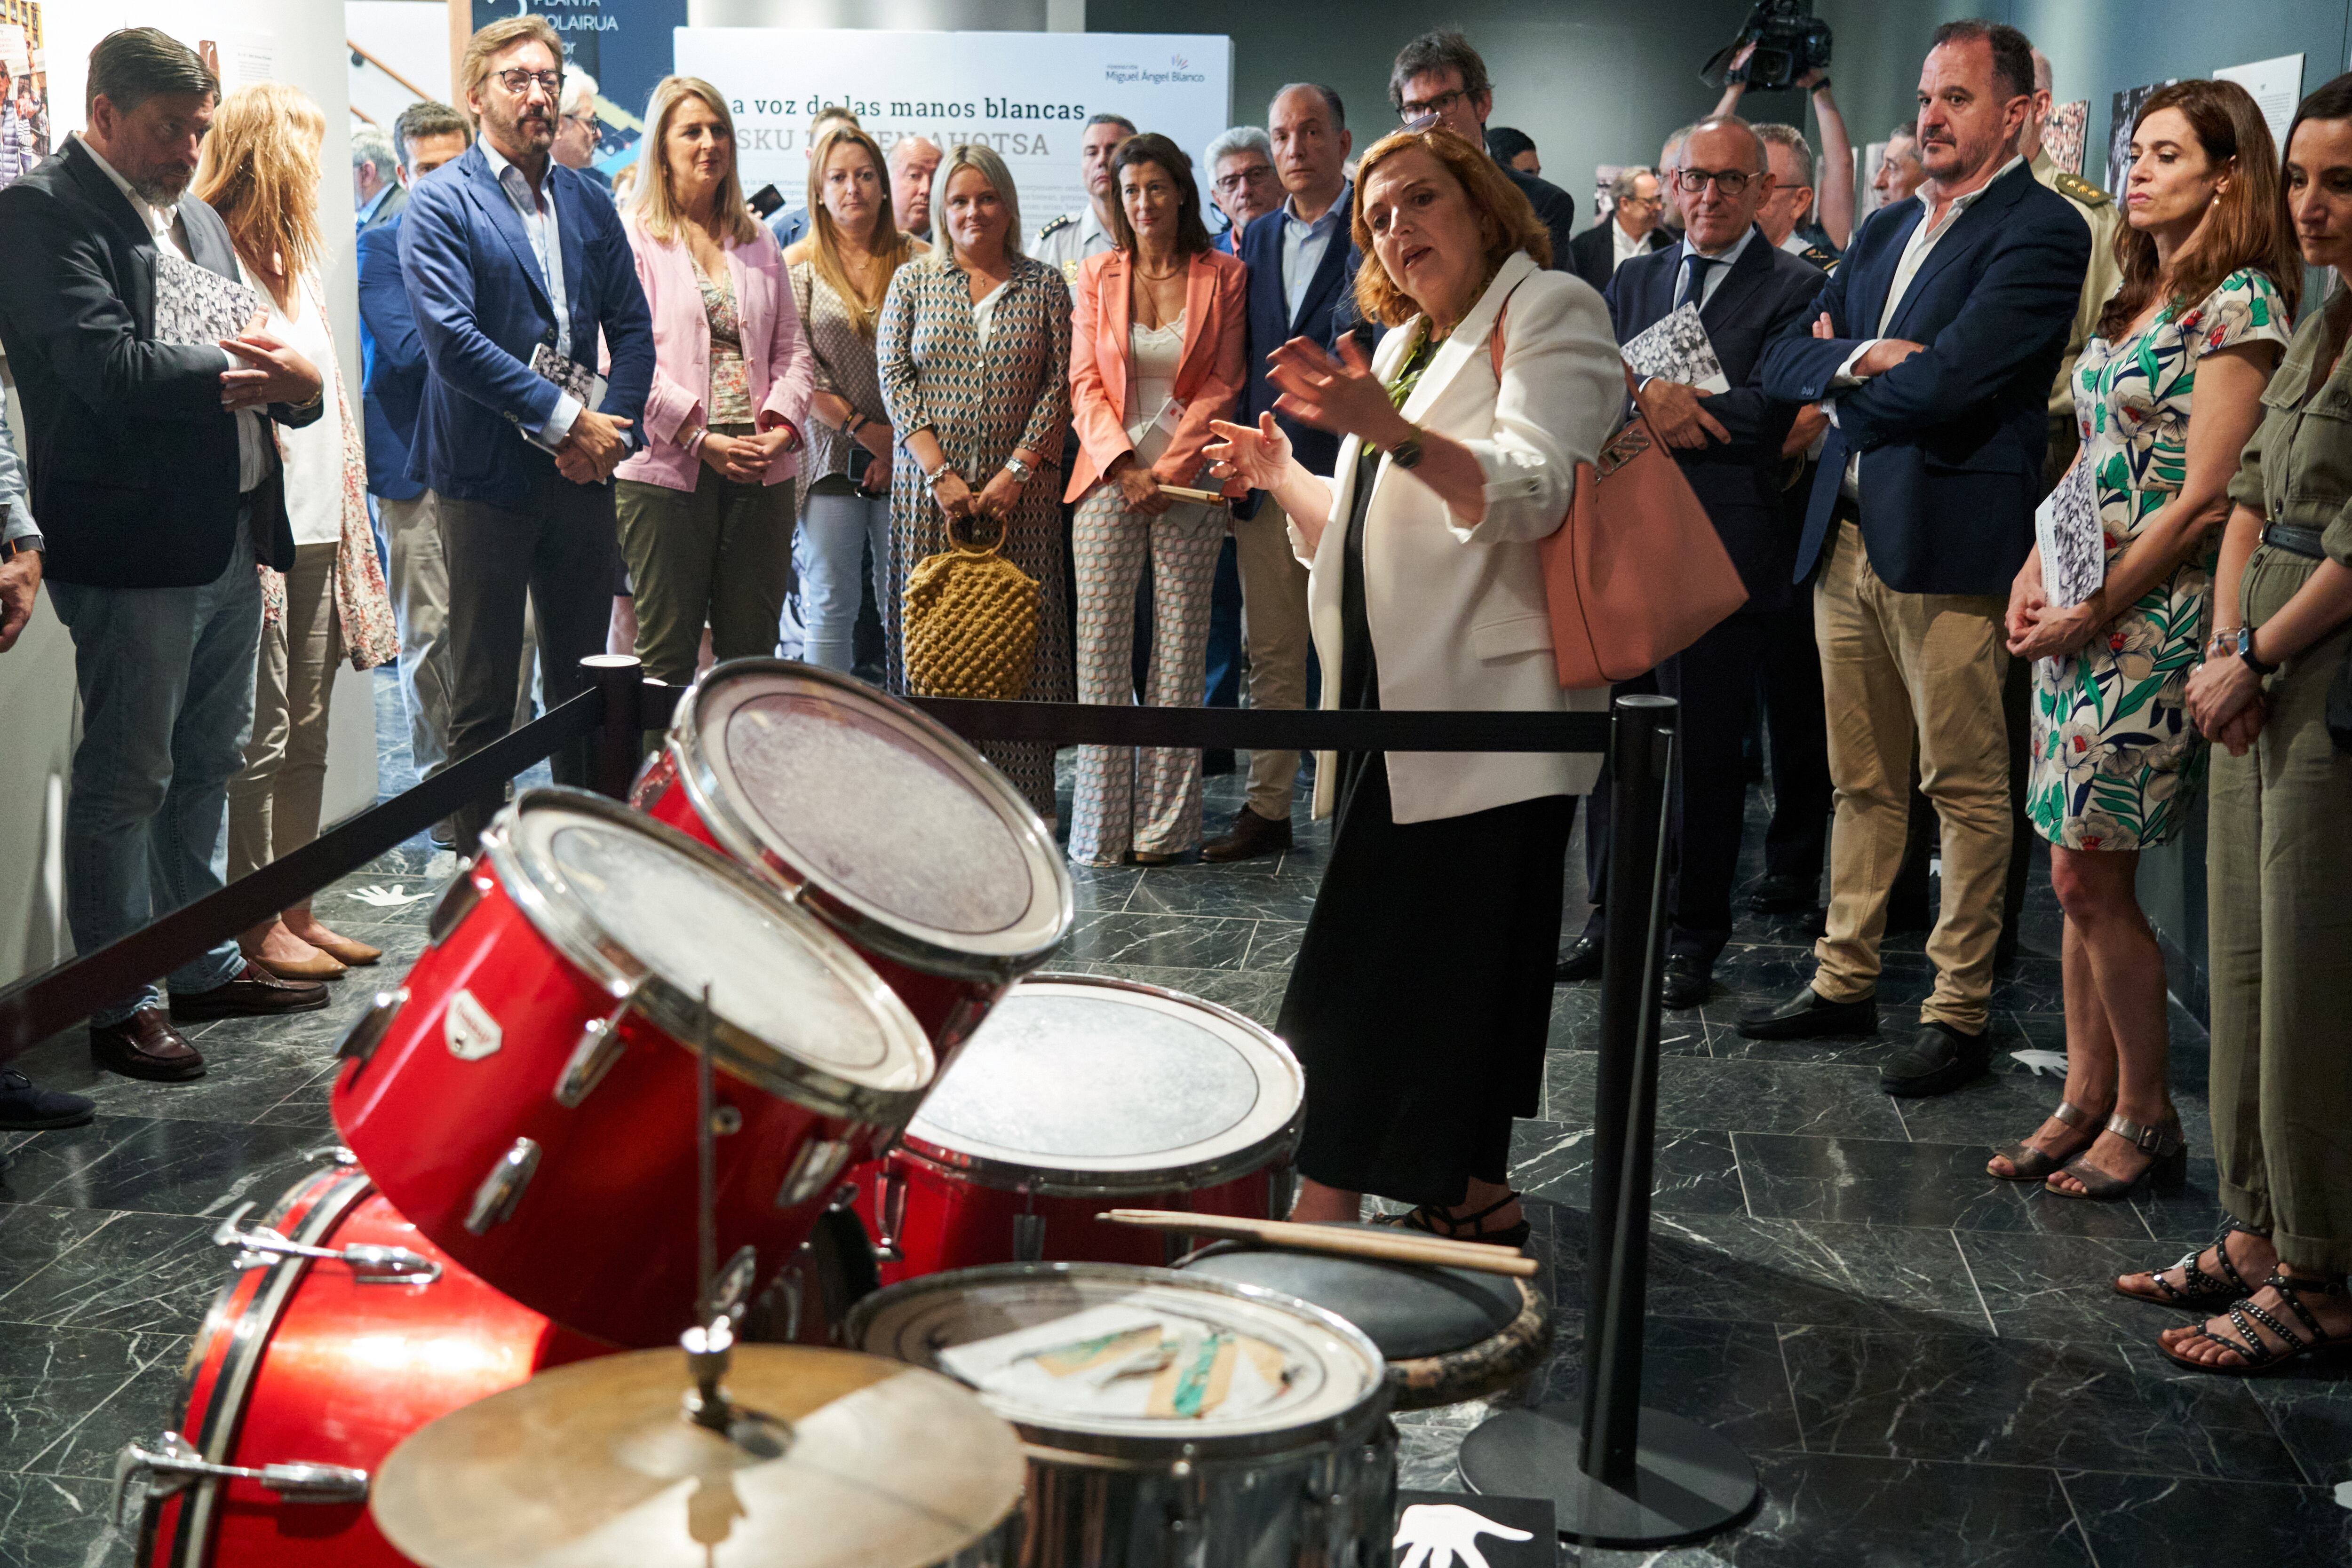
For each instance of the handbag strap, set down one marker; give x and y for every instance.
(1495, 353)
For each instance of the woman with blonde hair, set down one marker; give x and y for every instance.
(974, 347)
(259, 171)
(706, 506)
(841, 274)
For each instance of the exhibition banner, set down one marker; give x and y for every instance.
(1026, 95)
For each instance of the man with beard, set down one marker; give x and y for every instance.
(514, 264)
(157, 488)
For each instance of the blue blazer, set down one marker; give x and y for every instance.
(1738, 481)
(482, 306)
(1325, 310)
(392, 363)
(1951, 439)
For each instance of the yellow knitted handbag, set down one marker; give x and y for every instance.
(970, 623)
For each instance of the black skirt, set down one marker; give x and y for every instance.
(1421, 1000)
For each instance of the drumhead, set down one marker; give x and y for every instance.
(1409, 1312)
(903, 830)
(1114, 1357)
(1088, 1084)
(626, 897)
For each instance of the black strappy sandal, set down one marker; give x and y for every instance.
(2205, 1293)
(2260, 1358)
(1433, 1219)
(2167, 1167)
(2027, 1163)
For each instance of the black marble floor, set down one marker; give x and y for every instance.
(1927, 1365)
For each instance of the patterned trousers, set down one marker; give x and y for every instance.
(1149, 798)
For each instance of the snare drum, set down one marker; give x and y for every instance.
(322, 1365)
(529, 1096)
(1083, 1093)
(1181, 1421)
(879, 821)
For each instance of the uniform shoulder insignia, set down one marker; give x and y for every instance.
(1822, 257)
(1059, 225)
(2080, 190)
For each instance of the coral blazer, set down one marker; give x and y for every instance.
(1209, 375)
(777, 363)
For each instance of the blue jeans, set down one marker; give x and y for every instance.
(837, 529)
(166, 676)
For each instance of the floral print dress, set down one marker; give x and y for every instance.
(2116, 764)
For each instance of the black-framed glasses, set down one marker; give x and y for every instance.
(1730, 182)
(1429, 110)
(1242, 177)
(518, 81)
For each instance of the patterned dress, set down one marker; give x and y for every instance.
(2116, 764)
(981, 403)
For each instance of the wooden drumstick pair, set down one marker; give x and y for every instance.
(1382, 1246)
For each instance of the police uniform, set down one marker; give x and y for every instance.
(1069, 240)
(2099, 284)
(1811, 251)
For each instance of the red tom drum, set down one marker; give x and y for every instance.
(877, 820)
(1083, 1093)
(529, 1096)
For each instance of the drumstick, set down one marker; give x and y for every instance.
(1387, 1246)
(1185, 493)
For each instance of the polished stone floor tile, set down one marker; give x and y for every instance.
(157, 1165)
(244, 1078)
(136, 1271)
(1773, 1096)
(1870, 1182)
(1576, 1024)
(2150, 1520)
(54, 1383)
(2311, 1405)
(1102, 889)
(1160, 941)
(1724, 1376)
(2039, 1286)
(2070, 1404)
(1256, 994)
(1252, 891)
(1274, 945)
(1692, 1172)
(33, 1236)
(142, 1408)
(58, 1522)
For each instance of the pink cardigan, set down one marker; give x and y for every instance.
(776, 356)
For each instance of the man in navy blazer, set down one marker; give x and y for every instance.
(1302, 264)
(514, 265)
(1729, 446)
(1934, 350)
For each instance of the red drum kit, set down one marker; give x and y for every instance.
(652, 1070)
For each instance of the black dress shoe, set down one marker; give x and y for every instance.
(1939, 1060)
(1786, 896)
(255, 993)
(1581, 962)
(26, 1107)
(145, 1045)
(1688, 981)
(1808, 1015)
(1250, 836)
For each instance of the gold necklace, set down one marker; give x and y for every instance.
(1158, 277)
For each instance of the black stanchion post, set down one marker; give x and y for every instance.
(617, 743)
(1618, 1474)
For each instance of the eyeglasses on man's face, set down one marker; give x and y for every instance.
(1730, 182)
(1241, 178)
(1429, 110)
(518, 81)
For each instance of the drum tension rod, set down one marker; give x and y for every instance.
(261, 1246)
(173, 1463)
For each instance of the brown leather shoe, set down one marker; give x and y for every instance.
(1250, 836)
(255, 993)
(145, 1045)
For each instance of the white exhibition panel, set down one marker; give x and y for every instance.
(1026, 95)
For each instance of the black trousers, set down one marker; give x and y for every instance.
(558, 552)
(1789, 674)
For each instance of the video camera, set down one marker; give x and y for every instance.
(1788, 44)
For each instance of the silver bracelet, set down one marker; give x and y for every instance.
(1020, 471)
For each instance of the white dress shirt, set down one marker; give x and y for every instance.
(1725, 260)
(536, 211)
(1303, 244)
(163, 223)
(1624, 248)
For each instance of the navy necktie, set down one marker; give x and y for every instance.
(1694, 291)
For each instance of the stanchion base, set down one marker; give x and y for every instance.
(1689, 1483)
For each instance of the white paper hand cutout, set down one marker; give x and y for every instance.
(1440, 1535)
(391, 897)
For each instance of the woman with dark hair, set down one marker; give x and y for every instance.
(1421, 994)
(2209, 282)
(2279, 861)
(1157, 333)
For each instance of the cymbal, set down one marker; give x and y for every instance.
(836, 1460)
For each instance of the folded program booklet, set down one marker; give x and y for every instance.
(1678, 349)
(196, 307)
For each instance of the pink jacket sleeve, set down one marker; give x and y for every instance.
(1219, 391)
(1099, 433)
(669, 406)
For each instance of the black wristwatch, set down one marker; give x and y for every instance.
(1406, 453)
(2246, 652)
(12, 549)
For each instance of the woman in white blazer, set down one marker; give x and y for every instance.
(1421, 994)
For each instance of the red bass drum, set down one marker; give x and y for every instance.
(877, 820)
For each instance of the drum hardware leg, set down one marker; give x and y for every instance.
(368, 1030)
(335, 1151)
(503, 1188)
(599, 1046)
(458, 901)
(890, 1215)
(1028, 1238)
(261, 1246)
(173, 1464)
(1188, 1542)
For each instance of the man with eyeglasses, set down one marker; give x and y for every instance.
(1242, 181)
(576, 138)
(1438, 79)
(1630, 229)
(515, 265)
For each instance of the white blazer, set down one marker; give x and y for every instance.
(1457, 613)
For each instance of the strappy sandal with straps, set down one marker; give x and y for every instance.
(2027, 1163)
(2205, 1293)
(2260, 1358)
(2167, 1166)
(1432, 1218)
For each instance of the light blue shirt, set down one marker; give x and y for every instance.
(1304, 245)
(536, 211)
(1714, 275)
(359, 219)
(15, 517)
